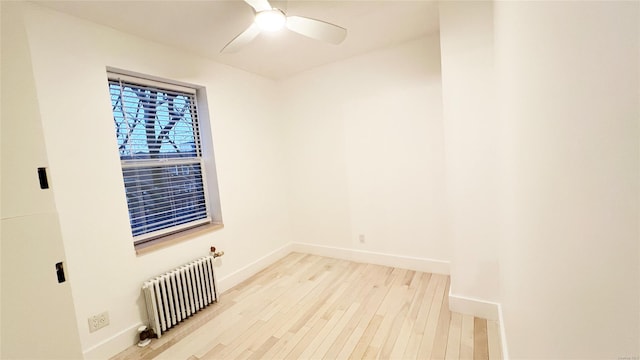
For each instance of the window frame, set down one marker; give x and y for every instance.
(205, 159)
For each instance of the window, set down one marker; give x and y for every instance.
(158, 132)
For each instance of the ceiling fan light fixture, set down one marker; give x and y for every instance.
(270, 20)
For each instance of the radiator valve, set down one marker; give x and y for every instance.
(216, 253)
(145, 335)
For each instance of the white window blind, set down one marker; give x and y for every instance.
(156, 126)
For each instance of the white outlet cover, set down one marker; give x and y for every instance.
(99, 321)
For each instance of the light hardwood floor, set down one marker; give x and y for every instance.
(312, 307)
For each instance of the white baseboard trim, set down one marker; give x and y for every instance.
(399, 261)
(251, 269)
(113, 345)
(476, 307)
(482, 309)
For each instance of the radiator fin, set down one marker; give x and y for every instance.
(179, 293)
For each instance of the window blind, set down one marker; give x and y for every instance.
(156, 127)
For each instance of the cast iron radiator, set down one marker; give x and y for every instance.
(179, 293)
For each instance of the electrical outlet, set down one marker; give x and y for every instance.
(98, 321)
(361, 238)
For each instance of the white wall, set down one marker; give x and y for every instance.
(569, 100)
(472, 133)
(367, 152)
(69, 59)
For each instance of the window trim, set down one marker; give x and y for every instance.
(146, 81)
(213, 221)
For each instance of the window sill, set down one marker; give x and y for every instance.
(176, 238)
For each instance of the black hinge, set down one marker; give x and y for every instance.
(60, 272)
(42, 175)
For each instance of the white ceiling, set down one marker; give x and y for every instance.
(204, 27)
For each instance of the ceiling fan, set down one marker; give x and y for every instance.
(270, 19)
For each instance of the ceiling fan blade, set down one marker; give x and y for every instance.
(242, 39)
(259, 5)
(316, 29)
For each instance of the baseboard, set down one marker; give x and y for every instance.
(251, 269)
(476, 307)
(399, 261)
(113, 345)
(482, 309)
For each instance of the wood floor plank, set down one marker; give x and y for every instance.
(389, 310)
(303, 307)
(429, 335)
(234, 348)
(266, 346)
(313, 314)
(420, 282)
(311, 347)
(466, 337)
(311, 307)
(359, 333)
(292, 339)
(442, 329)
(278, 321)
(453, 340)
(391, 337)
(415, 339)
(369, 299)
(493, 335)
(407, 296)
(329, 338)
(301, 345)
(243, 355)
(365, 339)
(321, 303)
(277, 347)
(480, 341)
